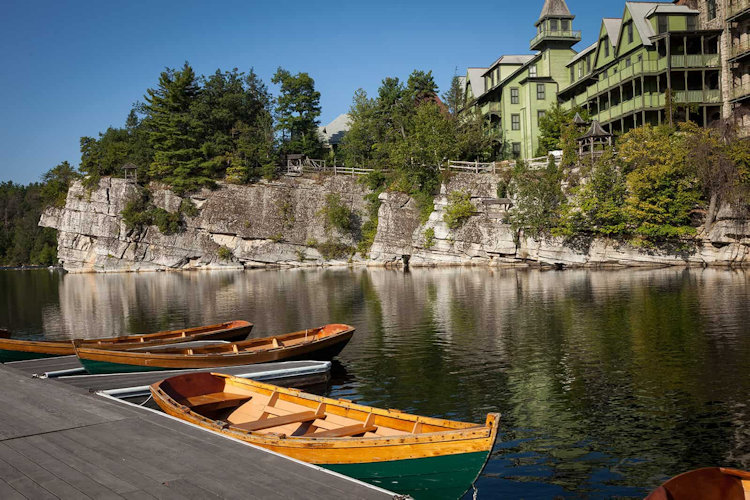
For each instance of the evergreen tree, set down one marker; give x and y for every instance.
(297, 112)
(454, 97)
(174, 132)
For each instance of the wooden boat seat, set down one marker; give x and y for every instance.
(215, 401)
(347, 431)
(291, 418)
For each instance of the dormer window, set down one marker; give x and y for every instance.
(532, 71)
(630, 32)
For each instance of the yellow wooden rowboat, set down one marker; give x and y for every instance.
(409, 454)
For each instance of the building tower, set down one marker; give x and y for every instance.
(554, 29)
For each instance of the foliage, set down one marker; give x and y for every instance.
(140, 212)
(459, 209)
(375, 181)
(538, 196)
(224, 253)
(187, 207)
(56, 182)
(336, 214)
(22, 241)
(662, 191)
(552, 125)
(334, 250)
(597, 205)
(297, 112)
(285, 210)
(429, 237)
(276, 238)
(454, 97)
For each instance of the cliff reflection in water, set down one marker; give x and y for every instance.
(607, 380)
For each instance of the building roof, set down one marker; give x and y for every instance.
(612, 25)
(583, 53)
(510, 60)
(596, 131)
(334, 131)
(554, 8)
(641, 11)
(476, 81)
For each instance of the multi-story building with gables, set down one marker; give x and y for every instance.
(660, 62)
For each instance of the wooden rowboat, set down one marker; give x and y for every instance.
(17, 350)
(320, 343)
(420, 456)
(710, 483)
(4, 334)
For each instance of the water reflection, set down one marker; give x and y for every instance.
(607, 381)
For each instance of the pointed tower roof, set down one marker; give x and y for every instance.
(555, 8)
(596, 131)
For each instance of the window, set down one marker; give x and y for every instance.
(540, 94)
(663, 24)
(572, 73)
(691, 23)
(553, 24)
(711, 8)
(515, 122)
(588, 63)
(627, 62)
(539, 115)
(580, 71)
(640, 57)
(630, 32)
(565, 24)
(514, 95)
(605, 41)
(516, 149)
(532, 71)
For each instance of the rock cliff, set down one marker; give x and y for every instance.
(280, 223)
(269, 223)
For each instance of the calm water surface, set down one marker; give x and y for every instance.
(607, 381)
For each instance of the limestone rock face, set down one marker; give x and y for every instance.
(279, 223)
(268, 223)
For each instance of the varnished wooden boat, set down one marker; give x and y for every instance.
(420, 456)
(17, 350)
(320, 343)
(4, 334)
(710, 483)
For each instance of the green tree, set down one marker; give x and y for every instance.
(297, 112)
(56, 182)
(174, 131)
(454, 97)
(539, 196)
(552, 126)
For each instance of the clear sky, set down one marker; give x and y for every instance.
(74, 68)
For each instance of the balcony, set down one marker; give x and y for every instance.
(697, 96)
(740, 92)
(737, 8)
(567, 35)
(739, 49)
(696, 61)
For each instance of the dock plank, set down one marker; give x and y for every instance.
(59, 441)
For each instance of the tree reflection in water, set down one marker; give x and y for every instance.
(607, 381)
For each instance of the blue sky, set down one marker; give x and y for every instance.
(74, 68)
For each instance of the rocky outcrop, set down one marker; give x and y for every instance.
(268, 223)
(485, 238)
(280, 223)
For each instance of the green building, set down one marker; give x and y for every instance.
(658, 63)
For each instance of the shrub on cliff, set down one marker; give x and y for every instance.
(336, 214)
(458, 210)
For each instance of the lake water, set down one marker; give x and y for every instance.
(607, 381)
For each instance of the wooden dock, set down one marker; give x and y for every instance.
(61, 441)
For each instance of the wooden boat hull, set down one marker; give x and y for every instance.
(97, 361)
(709, 483)
(440, 463)
(20, 350)
(441, 477)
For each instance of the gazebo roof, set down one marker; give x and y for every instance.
(578, 120)
(129, 166)
(596, 131)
